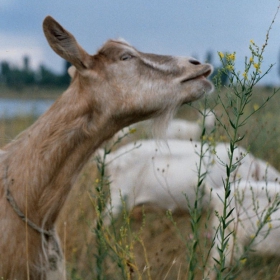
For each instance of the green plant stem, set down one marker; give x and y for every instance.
(195, 211)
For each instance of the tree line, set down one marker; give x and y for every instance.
(19, 77)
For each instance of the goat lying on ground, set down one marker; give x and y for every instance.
(162, 175)
(109, 90)
(253, 203)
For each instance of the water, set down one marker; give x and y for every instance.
(10, 108)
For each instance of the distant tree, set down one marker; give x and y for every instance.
(28, 76)
(46, 76)
(5, 68)
(65, 78)
(20, 77)
(26, 66)
(67, 64)
(209, 57)
(15, 77)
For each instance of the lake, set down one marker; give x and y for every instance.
(10, 108)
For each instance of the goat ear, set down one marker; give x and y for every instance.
(65, 44)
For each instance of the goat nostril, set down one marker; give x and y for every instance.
(194, 62)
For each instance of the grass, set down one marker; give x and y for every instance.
(31, 92)
(10, 128)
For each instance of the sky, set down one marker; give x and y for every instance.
(178, 27)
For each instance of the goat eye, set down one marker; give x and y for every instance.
(126, 57)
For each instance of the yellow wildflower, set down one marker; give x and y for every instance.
(231, 56)
(270, 225)
(221, 55)
(230, 67)
(268, 219)
(252, 42)
(132, 130)
(257, 66)
(251, 59)
(243, 261)
(96, 181)
(245, 76)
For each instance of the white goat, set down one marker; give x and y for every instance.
(253, 203)
(148, 173)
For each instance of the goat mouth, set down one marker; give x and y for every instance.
(203, 74)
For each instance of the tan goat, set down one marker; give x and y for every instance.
(110, 90)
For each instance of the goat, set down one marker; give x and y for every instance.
(109, 90)
(252, 204)
(165, 175)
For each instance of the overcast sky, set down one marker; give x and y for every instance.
(179, 27)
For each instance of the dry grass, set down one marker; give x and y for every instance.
(31, 92)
